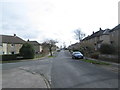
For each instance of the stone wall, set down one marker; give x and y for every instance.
(111, 58)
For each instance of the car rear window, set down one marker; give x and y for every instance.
(76, 53)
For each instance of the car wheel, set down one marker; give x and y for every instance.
(73, 57)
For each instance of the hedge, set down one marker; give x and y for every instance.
(10, 57)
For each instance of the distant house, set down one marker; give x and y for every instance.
(75, 46)
(37, 46)
(10, 44)
(46, 48)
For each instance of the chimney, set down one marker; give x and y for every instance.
(28, 40)
(14, 35)
(100, 29)
(93, 32)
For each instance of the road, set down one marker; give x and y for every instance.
(63, 72)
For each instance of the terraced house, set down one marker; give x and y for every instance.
(109, 36)
(95, 40)
(115, 36)
(10, 44)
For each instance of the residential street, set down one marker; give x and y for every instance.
(61, 71)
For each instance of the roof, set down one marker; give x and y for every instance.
(115, 28)
(106, 32)
(86, 38)
(12, 39)
(33, 42)
(96, 34)
(74, 45)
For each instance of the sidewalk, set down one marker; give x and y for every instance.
(18, 78)
(112, 67)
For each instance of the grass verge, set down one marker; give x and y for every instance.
(50, 56)
(95, 62)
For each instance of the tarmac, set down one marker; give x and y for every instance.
(21, 78)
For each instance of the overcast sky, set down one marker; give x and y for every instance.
(56, 19)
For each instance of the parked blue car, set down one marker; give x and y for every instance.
(76, 55)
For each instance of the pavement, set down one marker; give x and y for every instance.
(20, 78)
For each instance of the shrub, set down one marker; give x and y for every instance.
(107, 49)
(82, 50)
(86, 50)
(27, 51)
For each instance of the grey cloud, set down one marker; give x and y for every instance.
(15, 21)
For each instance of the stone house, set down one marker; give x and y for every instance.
(115, 36)
(75, 46)
(10, 44)
(37, 46)
(95, 40)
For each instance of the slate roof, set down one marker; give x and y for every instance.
(97, 34)
(116, 28)
(34, 42)
(86, 38)
(106, 32)
(12, 39)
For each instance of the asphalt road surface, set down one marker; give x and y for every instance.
(64, 72)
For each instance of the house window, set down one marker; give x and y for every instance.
(111, 42)
(99, 45)
(12, 45)
(1, 44)
(12, 52)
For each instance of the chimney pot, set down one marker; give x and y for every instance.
(14, 35)
(100, 29)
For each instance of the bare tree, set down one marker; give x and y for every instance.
(79, 34)
(50, 44)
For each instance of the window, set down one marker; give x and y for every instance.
(12, 52)
(1, 44)
(111, 42)
(12, 45)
